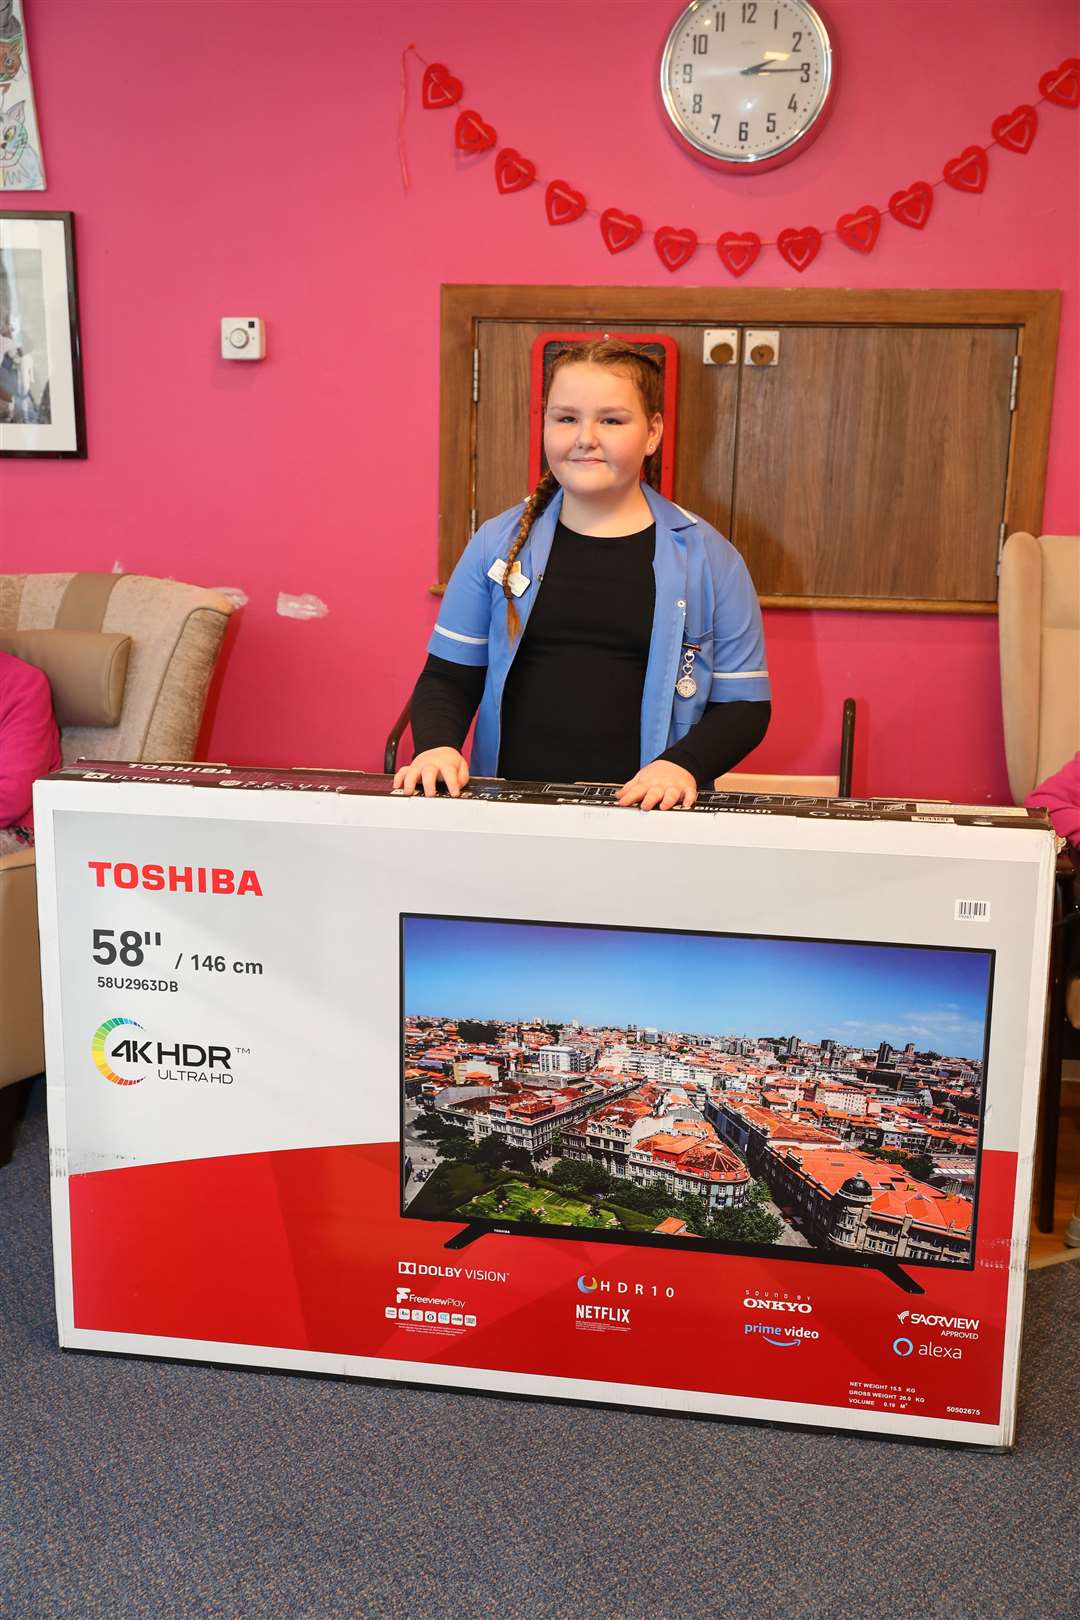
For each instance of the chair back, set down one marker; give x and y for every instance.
(1039, 648)
(176, 633)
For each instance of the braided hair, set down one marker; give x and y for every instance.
(646, 375)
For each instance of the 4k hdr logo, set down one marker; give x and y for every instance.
(100, 1055)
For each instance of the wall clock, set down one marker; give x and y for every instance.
(747, 83)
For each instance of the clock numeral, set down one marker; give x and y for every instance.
(701, 45)
(688, 73)
(720, 20)
(793, 105)
(744, 132)
(796, 43)
(770, 124)
(775, 20)
(715, 122)
(749, 11)
(695, 105)
(805, 72)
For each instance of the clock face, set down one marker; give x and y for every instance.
(745, 81)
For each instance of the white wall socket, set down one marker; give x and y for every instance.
(243, 337)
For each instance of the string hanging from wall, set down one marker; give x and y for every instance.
(620, 229)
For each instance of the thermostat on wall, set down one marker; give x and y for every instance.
(243, 337)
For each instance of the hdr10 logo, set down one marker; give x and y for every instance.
(587, 1284)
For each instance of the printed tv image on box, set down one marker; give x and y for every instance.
(679, 1088)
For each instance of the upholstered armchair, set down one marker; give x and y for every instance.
(129, 660)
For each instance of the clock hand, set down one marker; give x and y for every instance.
(764, 68)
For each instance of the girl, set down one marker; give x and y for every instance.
(642, 659)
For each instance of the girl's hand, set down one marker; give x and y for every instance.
(428, 767)
(660, 786)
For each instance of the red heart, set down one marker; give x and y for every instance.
(800, 248)
(1062, 84)
(968, 171)
(1016, 130)
(738, 250)
(563, 203)
(619, 231)
(512, 171)
(440, 88)
(860, 230)
(471, 134)
(675, 248)
(912, 207)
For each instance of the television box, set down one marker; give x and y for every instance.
(728, 1111)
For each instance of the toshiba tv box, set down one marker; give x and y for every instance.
(727, 1112)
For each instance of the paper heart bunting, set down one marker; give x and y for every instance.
(512, 171)
(859, 230)
(800, 248)
(563, 203)
(738, 250)
(471, 134)
(912, 207)
(440, 88)
(1062, 84)
(968, 171)
(1016, 130)
(675, 248)
(619, 230)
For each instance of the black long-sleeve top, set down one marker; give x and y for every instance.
(571, 708)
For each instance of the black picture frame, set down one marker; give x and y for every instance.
(42, 408)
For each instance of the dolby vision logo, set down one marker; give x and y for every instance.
(587, 1285)
(100, 1056)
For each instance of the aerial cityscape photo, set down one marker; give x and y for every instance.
(735, 1089)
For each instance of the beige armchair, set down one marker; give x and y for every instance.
(130, 661)
(1039, 645)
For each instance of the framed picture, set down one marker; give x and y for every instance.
(41, 394)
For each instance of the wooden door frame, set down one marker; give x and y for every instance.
(1034, 312)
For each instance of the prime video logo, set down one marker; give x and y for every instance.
(781, 1338)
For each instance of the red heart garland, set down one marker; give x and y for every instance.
(738, 250)
(1062, 84)
(440, 88)
(471, 134)
(912, 207)
(800, 248)
(675, 248)
(859, 230)
(512, 171)
(968, 171)
(563, 203)
(619, 231)
(1016, 130)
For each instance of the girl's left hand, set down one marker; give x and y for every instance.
(660, 786)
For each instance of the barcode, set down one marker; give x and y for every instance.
(972, 910)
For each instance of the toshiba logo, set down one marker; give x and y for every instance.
(175, 879)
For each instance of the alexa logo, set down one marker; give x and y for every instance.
(903, 1347)
(588, 1285)
(99, 1051)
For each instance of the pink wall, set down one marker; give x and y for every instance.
(228, 156)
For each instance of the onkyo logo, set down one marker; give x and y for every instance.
(757, 1302)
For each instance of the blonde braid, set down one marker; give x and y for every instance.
(535, 504)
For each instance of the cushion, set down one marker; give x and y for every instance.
(85, 668)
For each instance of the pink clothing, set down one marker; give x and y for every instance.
(1060, 795)
(29, 738)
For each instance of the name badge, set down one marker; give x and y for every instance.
(518, 582)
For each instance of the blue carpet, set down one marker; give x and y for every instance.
(134, 1488)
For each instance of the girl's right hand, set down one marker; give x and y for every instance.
(428, 767)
